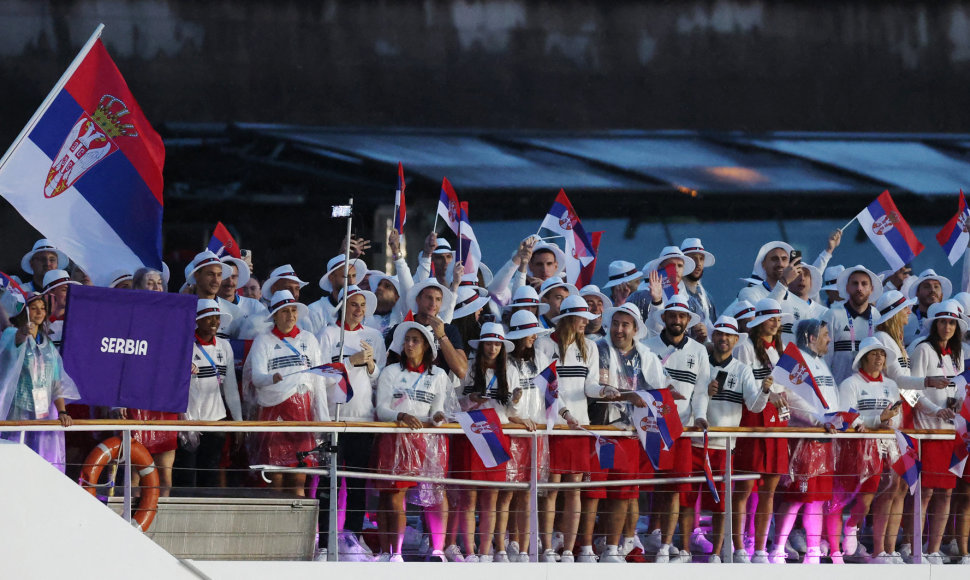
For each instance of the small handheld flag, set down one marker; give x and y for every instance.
(484, 431)
(587, 271)
(547, 382)
(668, 274)
(338, 372)
(709, 473)
(605, 452)
(961, 446)
(448, 207)
(908, 465)
(470, 253)
(562, 221)
(222, 243)
(400, 212)
(792, 372)
(889, 232)
(954, 237)
(658, 424)
(841, 420)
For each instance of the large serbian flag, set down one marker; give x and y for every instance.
(658, 423)
(86, 171)
(954, 237)
(890, 233)
(562, 222)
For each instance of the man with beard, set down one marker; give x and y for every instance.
(205, 274)
(852, 320)
(928, 289)
(684, 360)
(651, 298)
(802, 303)
(773, 265)
(248, 314)
(700, 302)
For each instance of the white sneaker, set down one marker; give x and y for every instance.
(714, 559)
(524, 557)
(396, 558)
(935, 558)
(350, 550)
(567, 557)
(512, 548)
(850, 541)
(906, 552)
(741, 557)
(837, 558)
(437, 556)
(824, 547)
(965, 561)
(471, 559)
(952, 549)
(881, 558)
(776, 557)
(612, 556)
(700, 543)
(321, 555)
(586, 556)
(897, 558)
(652, 542)
(682, 558)
(548, 556)
(797, 540)
(502, 556)
(384, 557)
(453, 553)
(557, 541)
(630, 544)
(663, 554)
(486, 559)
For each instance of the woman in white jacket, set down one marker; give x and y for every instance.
(283, 392)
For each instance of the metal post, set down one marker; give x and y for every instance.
(534, 501)
(727, 551)
(918, 512)
(126, 452)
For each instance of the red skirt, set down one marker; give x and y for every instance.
(761, 455)
(570, 454)
(467, 464)
(689, 497)
(858, 466)
(155, 441)
(281, 448)
(812, 472)
(626, 465)
(935, 456)
(680, 460)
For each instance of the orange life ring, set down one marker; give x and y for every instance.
(141, 459)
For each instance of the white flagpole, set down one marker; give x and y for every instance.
(50, 96)
(842, 229)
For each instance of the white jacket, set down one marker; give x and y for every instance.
(577, 377)
(270, 355)
(212, 389)
(402, 391)
(361, 405)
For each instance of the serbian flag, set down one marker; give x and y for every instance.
(954, 237)
(890, 233)
(961, 446)
(469, 252)
(668, 274)
(709, 473)
(792, 372)
(547, 382)
(86, 171)
(338, 372)
(8, 283)
(658, 424)
(484, 432)
(240, 351)
(448, 207)
(222, 243)
(908, 465)
(586, 273)
(400, 213)
(562, 222)
(840, 420)
(605, 452)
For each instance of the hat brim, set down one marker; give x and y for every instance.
(464, 311)
(543, 307)
(657, 317)
(360, 270)
(226, 272)
(572, 289)
(708, 258)
(393, 281)
(759, 320)
(582, 314)
(397, 341)
(884, 317)
(303, 313)
(874, 281)
(927, 322)
(945, 285)
(518, 334)
(758, 269)
(608, 321)
(607, 303)
(242, 266)
(556, 251)
(630, 278)
(446, 295)
(62, 260)
(509, 347)
(224, 318)
(652, 265)
(267, 289)
(862, 353)
(370, 305)
(64, 283)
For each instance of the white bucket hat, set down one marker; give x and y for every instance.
(890, 304)
(768, 308)
(758, 269)
(44, 245)
(594, 290)
(728, 325)
(621, 272)
(830, 278)
(242, 266)
(446, 296)
(282, 299)
(557, 251)
(492, 332)
(470, 299)
(868, 344)
(443, 246)
(964, 299)
(843, 280)
(522, 324)
(556, 282)
(116, 277)
(816, 277)
(369, 297)
(207, 307)
(376, 279)
(946, 310)
(676, 303)
(397, 341)
(930, 274)
(574, 305)
(56, 278)
(669, 253)
(694, 245)
(203, 259)
(740, 310)
(526, 296)
(360, 270)
(284, 272)
(626, 308)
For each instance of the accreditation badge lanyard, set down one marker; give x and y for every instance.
(211, 362)
(42, 402)
(852, 328)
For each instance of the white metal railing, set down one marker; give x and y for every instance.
(729, 435)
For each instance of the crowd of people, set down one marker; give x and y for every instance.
(420, 347)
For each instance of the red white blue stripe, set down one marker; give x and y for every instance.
(792, 372)
(668, 276)
(470, 253)
(658, 423)
(908, 466)
(337, 372)
(562, 222)
(954, 237)
(889, 232)
(484, 432)
(400, 211)
(840, 420)
(547, 381)
(222, 243)
(449, 208)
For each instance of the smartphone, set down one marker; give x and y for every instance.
(795, 254)
(721, 379)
